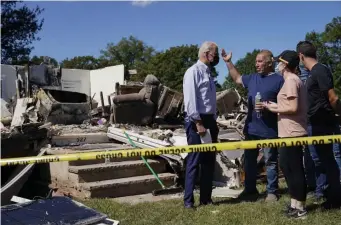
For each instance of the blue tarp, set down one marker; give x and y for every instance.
(52, 211)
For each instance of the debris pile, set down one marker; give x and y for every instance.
(59, 129)
(151, 113)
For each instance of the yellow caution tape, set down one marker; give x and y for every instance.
(126, 153)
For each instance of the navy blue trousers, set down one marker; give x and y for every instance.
(322, 163)
(206, 161)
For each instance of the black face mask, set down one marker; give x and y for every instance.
(215, 61)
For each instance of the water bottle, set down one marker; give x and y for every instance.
(258, 100)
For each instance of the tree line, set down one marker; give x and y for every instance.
(20, 27)
(328, 43)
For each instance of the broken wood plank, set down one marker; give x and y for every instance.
(20, 109)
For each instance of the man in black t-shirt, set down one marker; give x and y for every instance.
(323, 103)
(318, 85)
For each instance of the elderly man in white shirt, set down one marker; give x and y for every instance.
(200, 114)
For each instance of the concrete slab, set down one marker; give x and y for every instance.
(91, 148)
(86, 148)
(114, 170)
(59, 129)
(126, 186)
(59, 171)
(97, 146)
(136, 199)
(79, 139)
(225, 192)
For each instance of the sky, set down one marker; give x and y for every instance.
(84, 28)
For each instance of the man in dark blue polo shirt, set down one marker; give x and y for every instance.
(259, 126)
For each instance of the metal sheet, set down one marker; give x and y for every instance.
(56, 210)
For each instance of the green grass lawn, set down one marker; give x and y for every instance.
(228, 212)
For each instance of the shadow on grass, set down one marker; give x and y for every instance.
(283, 191)
(233, 201)
(313, 207)
(256, 198)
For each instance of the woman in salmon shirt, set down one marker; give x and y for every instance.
(292, 122)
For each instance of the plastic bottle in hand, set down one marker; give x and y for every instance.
(258, 99)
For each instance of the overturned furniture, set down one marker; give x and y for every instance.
(128, 88)
(232, 110)
(63, 107)
(170, 104)
(228, 101)
(137, 108)
(154, 98)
